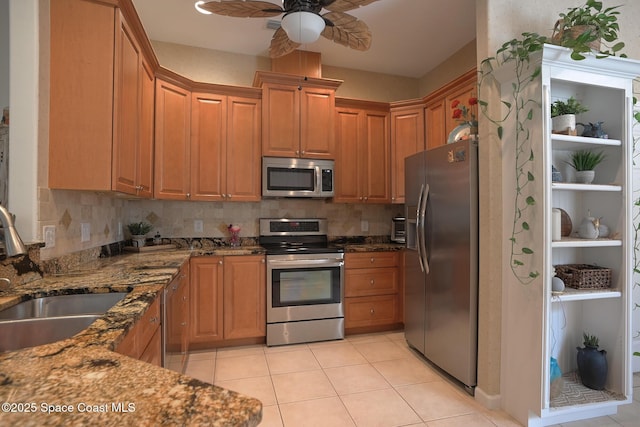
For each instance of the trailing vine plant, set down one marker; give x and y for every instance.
(636, 220)
(520, 109)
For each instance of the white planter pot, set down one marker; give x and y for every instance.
(138, 240)
(564, 123)
(585, 177)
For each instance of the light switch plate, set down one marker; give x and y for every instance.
(198, 226)
(364, 225)
(85, 232)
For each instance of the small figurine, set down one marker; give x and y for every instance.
(593, 130)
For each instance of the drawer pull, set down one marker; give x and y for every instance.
(372, 282)
(373, 260)
(373, 311)
(154, 319)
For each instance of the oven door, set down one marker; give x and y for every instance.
(304, 287)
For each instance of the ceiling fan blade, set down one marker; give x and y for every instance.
(347, 30)
(345, 5)
(243, 9)
(281, 44)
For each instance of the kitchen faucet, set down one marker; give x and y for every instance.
(12, 242)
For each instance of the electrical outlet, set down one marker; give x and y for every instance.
(120, 235)
(364, 225)
(49, 233)
(85, 232)
(198, 226)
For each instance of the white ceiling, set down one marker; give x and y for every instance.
(410, 37)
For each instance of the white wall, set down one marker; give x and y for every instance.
(4, 54)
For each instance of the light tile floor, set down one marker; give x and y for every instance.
(364, 380)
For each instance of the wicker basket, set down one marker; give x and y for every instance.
(584, 276)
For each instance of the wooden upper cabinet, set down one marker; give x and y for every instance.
(172, 141)
(317, 107)
(281, 121)
(297, 115)
(208, 146)
(462, 93)
(362, 154)
(439, 121)
(101, 94)
(81, 95)
(133, 119)
(244, 153)
(435, 123)
(407, 138)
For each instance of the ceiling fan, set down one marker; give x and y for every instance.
(302, 22)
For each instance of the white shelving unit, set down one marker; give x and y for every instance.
(539, 324)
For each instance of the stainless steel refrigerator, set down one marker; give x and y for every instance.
(441, 263)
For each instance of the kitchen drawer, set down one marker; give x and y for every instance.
(371, 281)
(370, 259)
(371, 311)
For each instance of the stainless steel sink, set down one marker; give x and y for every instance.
(62, 305)
(19, 334)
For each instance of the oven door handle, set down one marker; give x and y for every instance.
(331, 262)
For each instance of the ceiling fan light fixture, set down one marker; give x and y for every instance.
(303, 27)
(201, 10)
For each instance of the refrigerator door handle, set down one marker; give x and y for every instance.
(418, 239)
(422, 213)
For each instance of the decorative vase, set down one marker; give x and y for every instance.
(138, 240)
(589, 228)
(565, 123)
(585, 177)
(592, 367)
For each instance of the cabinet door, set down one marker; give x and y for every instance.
(376, 147)
(317, 115)
(173, 113)
(81, 95)
(407, 138)
(244, 297)
(208, 146)
(462, 94)
(349, 157)
(126, 112)
(206, 304)
(435, 124)
(145, 140)
(243, 153)
(281, 121)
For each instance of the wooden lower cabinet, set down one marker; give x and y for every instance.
(372, 291)
(228, 300)
(144, 340)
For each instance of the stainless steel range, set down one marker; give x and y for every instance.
(305, 282)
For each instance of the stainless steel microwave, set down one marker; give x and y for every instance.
(293, 177)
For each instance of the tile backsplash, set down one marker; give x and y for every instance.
(104, 212)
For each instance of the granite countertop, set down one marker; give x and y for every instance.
(83, 374)
(82, 381)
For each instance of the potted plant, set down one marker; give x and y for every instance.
(592, 363)
(583, 28)
(584, 162)
(563, 115)
(138, 231)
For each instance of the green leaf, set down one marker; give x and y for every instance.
(500, 132)
(530, 176)
(534, 275)
(516, 262)
(531, 201)
(527, 251)
(525, 225)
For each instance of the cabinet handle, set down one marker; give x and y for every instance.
(373, 260)
(372, 282)
(183, 324)
(220, 262)
(228, 196)
(188, 195)
(154, 319)
(303, 152)
(373, 311)
(184, 298)
(297, 152)
(366, 198)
